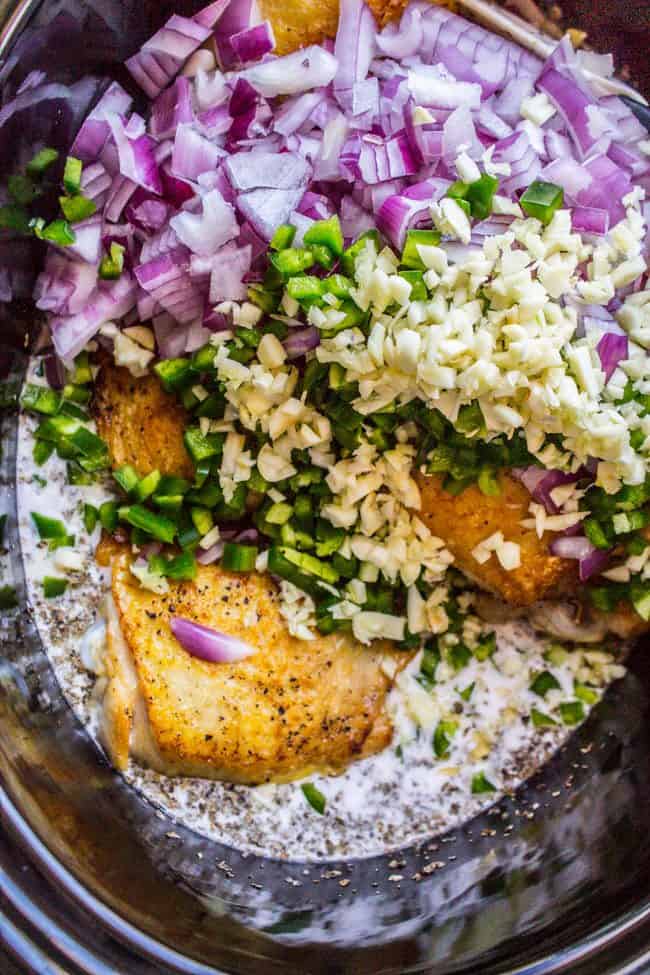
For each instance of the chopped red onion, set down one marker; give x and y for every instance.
(401, 213)
(227, 279)
(541, 482)
(589, 220)
(163, 55)
(210, 555)
(250, 536)
(64, 286)
(136, 155)
(239, 16)
(192, 154)
(208, 644)
(204, 233)
(405, 40)
(110, 301)
(354, 46)
(252, 43)
(92, 135)
(592, 561)
(310, 67)
(300, 341)
(612, 349)
(172, 107)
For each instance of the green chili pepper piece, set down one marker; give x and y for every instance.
(76, 208)
(283, 237)
(41, 161)
(445, 731)
(127, 477)
(410, 255)
(543, 683)
(72, 175)
(292, 261)
(572, 712)
(541, 200)
(418, 287)
(112, 264)
(159, 527)
(90, 518)
(49, 528)
(40, 399)
(239, 558)
(53, 587)
(326, 233)
(314, 797)
(480, 784)
(349, 256)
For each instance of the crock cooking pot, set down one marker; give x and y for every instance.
(94, 879)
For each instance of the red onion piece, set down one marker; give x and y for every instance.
(589, 220)
(612, 349)
(54, 371)
(110, 301)
(300, 341)
(252, 43)
(250, 536)
(592, 560)
(311, 67)
(92, 135)
(208, 644)
(210, 555)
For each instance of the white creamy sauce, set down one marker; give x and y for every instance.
(402, 795)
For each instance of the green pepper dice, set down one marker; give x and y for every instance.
(541, 200)
(410, 254)
(326, 233)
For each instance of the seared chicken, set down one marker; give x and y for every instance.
(293, 708)
(464, 520)
(141, 423)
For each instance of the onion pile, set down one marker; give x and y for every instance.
(369, 129)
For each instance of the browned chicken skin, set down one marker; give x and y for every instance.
(292, 708)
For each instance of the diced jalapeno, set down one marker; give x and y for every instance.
(283, 237)
(72, 174)
(53, 587)
(112, 264)
(173, 373)
(108, 516)
(410, 255)
(314, 797)
(541, 200)
(146, 486)
(543, 683)
(445, 731)
(77, 208)
(201, 446)
(481, 784)
(418, 287)
(158, 526)
(40, 399)
(239, 558)
(349, 256)
(540, 719)
(90, 517)
(326, 233)
(306, 289)
(127, 477)
(41, 161)
(572, 712)
(292, 261)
